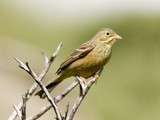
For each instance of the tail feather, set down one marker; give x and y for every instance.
(50, 87)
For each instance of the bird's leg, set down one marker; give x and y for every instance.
(83, 84)
(99, 72)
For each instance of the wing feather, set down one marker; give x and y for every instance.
(81, 52)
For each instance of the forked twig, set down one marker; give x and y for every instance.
(18, 112)
(58, 98)
(70, 112)
(48, 63)
(24, 99)
(52, 101)
(84, 90)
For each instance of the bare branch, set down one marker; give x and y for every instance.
(52, 101)
(54, 55)
(22, 65)
(46, 59)
(18, 112)
(40, 78)
(67, 111)
(85, 86)
(57, 99)
(85, 89)
(24, 99)
(65, 92)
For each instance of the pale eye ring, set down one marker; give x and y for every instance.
(107, 33)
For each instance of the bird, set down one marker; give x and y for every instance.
(87, 59)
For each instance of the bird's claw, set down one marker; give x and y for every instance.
(83, 85)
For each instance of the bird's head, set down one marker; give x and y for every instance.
(107, 36)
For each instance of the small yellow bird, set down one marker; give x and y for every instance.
(87, 59)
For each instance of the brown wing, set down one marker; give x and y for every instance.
(82, 51)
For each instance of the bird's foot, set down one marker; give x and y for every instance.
(83, 85)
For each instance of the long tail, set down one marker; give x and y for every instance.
(50, 87)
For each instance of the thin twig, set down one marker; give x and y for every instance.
(18, 112)
(66, 112)
(57, 99)
(39, 77)
(84, 92)
(24, 99)
(52, 101)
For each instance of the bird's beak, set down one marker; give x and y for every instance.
(118, 37)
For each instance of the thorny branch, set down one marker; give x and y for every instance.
(30, 91)
(18, 112)
(57, 100)
(84, 87)
(24, 99)
(70, 112)
(52, 101)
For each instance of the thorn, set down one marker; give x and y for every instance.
(21, 64)
(28, 67)
(46, 59)
(57, 50)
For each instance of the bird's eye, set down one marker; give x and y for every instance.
(107, 33)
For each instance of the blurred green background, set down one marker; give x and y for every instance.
(129, 88)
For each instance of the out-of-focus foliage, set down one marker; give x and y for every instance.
(129, 86)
